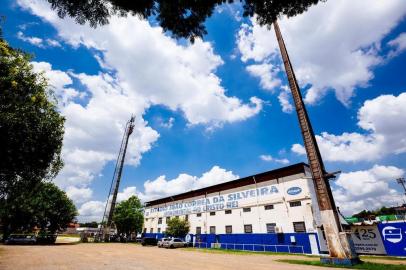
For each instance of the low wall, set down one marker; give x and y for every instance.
(296, 241)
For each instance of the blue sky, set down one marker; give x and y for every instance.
(219, 109)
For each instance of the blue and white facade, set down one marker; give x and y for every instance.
(278, 207)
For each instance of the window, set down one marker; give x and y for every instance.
(299, 227)
(160, 220)
(212, 213)
(246, 209)
(228, 212)
(145, 230)
(151, 230)
(177, 240)
(269, 207)
(270, 227)
(159, 230)
(167, 219)
(213, 229)
(229, 229)
(295, 203)
(248, 228)
(198, 214)
(198, 230)
(186, 217)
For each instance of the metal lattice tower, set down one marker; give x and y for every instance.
(105, 229)
(338, 242)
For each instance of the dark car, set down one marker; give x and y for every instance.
(21, 239)
(149, 241)
(46, 239)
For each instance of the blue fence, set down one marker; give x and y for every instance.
(272, 242)
(393, 237)
(285, 242)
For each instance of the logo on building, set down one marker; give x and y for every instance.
(294, 190)
(392, 234)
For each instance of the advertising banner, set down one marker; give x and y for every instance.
(394, 237)
(367, 240)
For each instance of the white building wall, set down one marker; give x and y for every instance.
(283, 214)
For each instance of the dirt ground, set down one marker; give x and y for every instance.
(130, 256)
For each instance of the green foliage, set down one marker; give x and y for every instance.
(128, 216)
(92, 224)
(31, 128)
(183, 18)
(177, 227)
(378, 212)
(31, 135)
(45, 207)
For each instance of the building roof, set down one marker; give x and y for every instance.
(249, 180)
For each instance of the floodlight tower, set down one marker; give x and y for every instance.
(339, 243)
(401, 181)
(105, 227)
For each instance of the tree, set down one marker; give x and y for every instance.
(31, 134)
(31, 128)
(183, 18)
(177, 227)
(92, 224)
(46, 207)
(128, 216)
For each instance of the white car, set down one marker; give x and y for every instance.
(174, 243)
(162, 241)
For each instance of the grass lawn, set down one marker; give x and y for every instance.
(365, 265)
(383, 258)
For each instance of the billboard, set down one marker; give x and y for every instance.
(367, 240)
(394, 237)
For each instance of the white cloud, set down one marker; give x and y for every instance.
(368, 189)
(59, 81)
(39, 42)
(93, 130)
(298, 149)
(267, 74)
(255, 42)
(266, 157)
(382, 119)
(327, 51)
(269, 158)
(168, 124)
(161, 187)
(158, 188)
(53, 43)
(398, 44)
(284, 98)
(79, 195)
(91, 211)
(127, 193)
(36, 41)
(185, 79)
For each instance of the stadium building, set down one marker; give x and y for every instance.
(275, 210)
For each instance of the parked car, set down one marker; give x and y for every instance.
(149, 241)
(21, 239)
(162, 240)
(46, 239)
(174, 243)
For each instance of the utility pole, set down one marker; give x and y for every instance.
(115, 183)
(339, 243)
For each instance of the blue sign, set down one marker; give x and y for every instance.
(394, 237)
(294, 190)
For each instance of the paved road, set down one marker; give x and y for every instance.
(130, 256)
